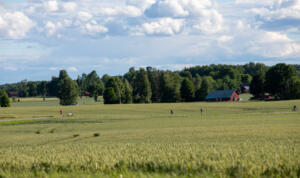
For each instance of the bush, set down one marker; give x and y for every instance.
(4, 100)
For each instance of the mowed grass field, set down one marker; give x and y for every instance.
(242, 139)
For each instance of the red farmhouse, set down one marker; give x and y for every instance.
(222, 95)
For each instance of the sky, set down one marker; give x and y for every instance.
(40, 37)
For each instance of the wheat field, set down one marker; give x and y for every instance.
(245, 139)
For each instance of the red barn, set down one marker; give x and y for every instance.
(12, 94)
(222, 95)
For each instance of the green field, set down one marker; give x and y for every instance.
(245, 139)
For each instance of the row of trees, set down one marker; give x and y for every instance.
(280, 81)
(152, 85)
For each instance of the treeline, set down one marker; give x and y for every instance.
(280, 81)
(150, 85)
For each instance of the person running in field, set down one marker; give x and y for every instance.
(295, 108)
(171, 112)
(61, 112)
(201, 111)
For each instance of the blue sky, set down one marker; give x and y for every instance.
(38, 38)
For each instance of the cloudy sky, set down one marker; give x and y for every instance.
(40, 37)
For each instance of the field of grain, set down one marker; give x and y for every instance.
(245, 139)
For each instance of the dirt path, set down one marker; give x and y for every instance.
(26, 119)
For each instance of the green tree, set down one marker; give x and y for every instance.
(68, 89)
(52, 87)
(32, 89)
(257, 86)
(170, 87)
(187, 90)
(246, 78)
(295, 87)
(68, 93)
(128, 92)
(278, 80)
(114, 91)
(142, 88)
(154, 76)
(94, 85)
(23, 88)
(110, 96)
(197, 82)
(206, 86)
(4, 100)
(42, 89)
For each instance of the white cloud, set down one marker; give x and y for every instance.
(94, 28)
(200, 15)
(69, 6)
(225, 38)
(72, 69)
(52, 28)
(179, 8)
(163, 26)
(50, 6)
(167, 8)
(84, 16)
(15, 25)
(210, 22)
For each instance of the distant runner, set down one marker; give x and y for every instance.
(201, 111)
(171, 112)
(295, 108)
(61, 113)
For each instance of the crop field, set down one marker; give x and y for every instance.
(242, 139)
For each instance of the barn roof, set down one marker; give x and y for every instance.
(220, 94)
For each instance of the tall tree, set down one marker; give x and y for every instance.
(114, 91)
(68, 89)
(52, 87)
(42, 88)
(4, 100)
(257, 86)
(154, 76)
(110, 96)
(128, 92)
(197, 81)
(295, 87)
(187, 90)
(170, 85)
(32, 88)
(206, 86)
(94, 85)
(68, 93)
(142, 88)
(23, 88)
(278, 80)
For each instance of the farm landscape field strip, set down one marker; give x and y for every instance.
(255, 139)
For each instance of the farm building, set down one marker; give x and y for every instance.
(222, 95)
(12, 94)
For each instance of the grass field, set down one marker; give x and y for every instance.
(245, 139)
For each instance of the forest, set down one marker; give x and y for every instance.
(150, 85)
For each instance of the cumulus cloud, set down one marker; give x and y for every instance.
(69, 6)
(94, 28)
(202, 16)
(84, 16)
(179, 8)
(168, 8)
(50, 6)
(163, 26)
(52, 27)
(15, 25)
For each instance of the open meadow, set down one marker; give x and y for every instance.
(241, 139)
